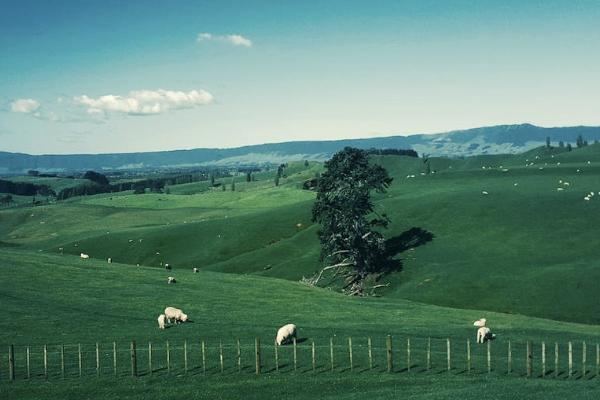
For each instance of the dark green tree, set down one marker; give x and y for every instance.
(350, 243)
(276, 180)
(548, 142)
(561, 144)
(306, 163)
(248, 176)
(233, 184)
(569, 147)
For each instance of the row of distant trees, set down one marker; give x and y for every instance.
(25, 188)
(579, 142)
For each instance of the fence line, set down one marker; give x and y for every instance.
(351, 354)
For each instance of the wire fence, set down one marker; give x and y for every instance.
(572, 360)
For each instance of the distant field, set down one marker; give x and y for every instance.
(57, 184)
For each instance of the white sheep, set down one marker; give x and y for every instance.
(172, 313)
(483, 192)
(167, 266)
(171, 280)
(195, 270)
(480, 322)
(161, 321)
(109, 260)
(84, 256)
(484, 334)
(285, 334)
(560, 189)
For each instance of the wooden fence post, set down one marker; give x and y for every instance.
(314, 362)
(295, 355)
(62, 361)
(133, 359)
(509, 362)
(168, 350)
(28, 363)
(11, 362)
(407, 354)
(350, 353)
(449, 360)
(370, 349)
(489, 356)
(203, 357)
(543, 359)
(331, 353)
(79, 358)
(45, 361)
(570, 359)
(583, 359)
(257, 349)
(555, 359)
(597, 359)
(529, 359)
(97, 359)
(115, 358)
(390, 359)
(221, 356)
(185, 360)
(239, 356)
(468, 355)
(428, 354)
(276, 349)
(150, 358)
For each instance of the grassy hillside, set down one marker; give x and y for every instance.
(65, 300)
(511, 250)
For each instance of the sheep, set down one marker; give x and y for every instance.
(515, 184)
(172, 313)
(195, 270)
(161, 321)
(560, 189)
(285, 334)
(483, 192)
(480, 322)
(109, 260)
(586, 198)
(84, 256)
(484, 334)
(171, 280)
(167, 266)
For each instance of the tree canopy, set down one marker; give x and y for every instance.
(348, 235)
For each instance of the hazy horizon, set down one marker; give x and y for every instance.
(132, 77)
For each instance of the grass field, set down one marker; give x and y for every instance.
(524, 256)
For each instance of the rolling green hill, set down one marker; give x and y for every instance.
(512, 250)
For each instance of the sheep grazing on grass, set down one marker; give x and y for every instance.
(485, 193)
(109, 260)
(285, 334)
(483, 333)
(560, 189)
(195, 270)
(84, 256)
(586, 198)
(161, 321)
(175, 314)
(171, 280)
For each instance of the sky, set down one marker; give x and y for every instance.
(125, 76)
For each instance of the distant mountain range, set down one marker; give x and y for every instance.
(486, 140)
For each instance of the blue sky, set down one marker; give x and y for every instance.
(115, 76)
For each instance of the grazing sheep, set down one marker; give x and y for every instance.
(195, 270)
(171, 280)
(560, 189)
(480, 322)
(161, 321)
(483, 192)
(172, 313)
(285, 334)
(586, 198)
(483, 333)
(84, 256)
(109, 260)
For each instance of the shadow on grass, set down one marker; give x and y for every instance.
(414, 237)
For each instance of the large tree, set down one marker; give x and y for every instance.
(350, 243)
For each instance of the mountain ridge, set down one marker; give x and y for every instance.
(495, 139)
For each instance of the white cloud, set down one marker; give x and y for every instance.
(236, 40)
(26, 106)
(144, 102)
